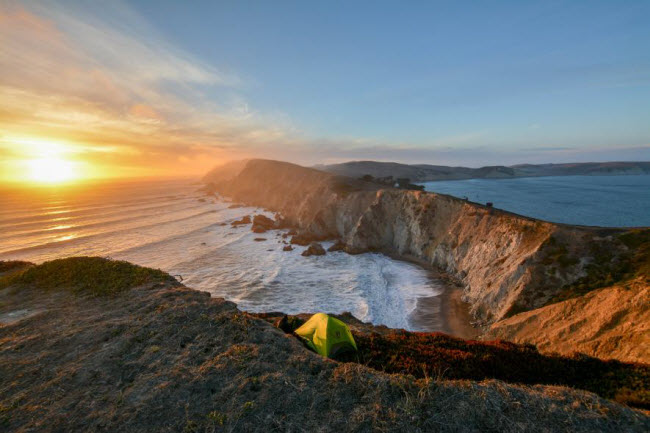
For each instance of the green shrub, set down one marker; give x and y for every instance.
(12, 265)
(639, 242)
(342, 186)
(216, 418)
(10, 270)
(607, 268)
(88, 275)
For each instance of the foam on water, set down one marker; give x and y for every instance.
(166, 226)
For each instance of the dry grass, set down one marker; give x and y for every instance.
(169, 359)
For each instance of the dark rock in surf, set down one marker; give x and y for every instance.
(338, 246)
(262, 223)
(243, 221)
(314, 249)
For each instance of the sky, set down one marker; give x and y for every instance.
(127, 88)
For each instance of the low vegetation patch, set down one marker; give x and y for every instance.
(9, 270)
(343, 186)
(607, 268)
(440, 356)
(88, 275)
(12, 265)
(639, 242)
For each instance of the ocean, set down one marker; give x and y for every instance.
(172, 226)
(606, 201)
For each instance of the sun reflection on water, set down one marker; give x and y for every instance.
(60, 227)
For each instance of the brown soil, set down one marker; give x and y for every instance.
(162, 357)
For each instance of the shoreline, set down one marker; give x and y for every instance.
(446, 311)
(457, 315)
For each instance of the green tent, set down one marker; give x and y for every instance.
(326, 335)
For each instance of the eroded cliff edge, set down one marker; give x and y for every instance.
(507, 263)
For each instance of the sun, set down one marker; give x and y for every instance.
(52, 170)
(44, 161)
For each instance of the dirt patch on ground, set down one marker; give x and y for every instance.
(162, 357)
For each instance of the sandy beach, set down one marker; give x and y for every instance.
(445, 312)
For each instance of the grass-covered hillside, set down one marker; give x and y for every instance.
(604, 313)
(607, 269)
(151, 355)
(84, 275)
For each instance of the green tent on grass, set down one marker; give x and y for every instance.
(326, 335)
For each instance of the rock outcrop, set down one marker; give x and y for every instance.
(245, 220)
(337, 246)
(262, 223)
(314, 249)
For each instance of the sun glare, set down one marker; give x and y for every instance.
(52, 170)
(44, 161)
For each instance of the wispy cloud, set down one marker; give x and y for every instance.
(99, 74)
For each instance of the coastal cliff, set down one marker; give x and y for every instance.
(507, 263)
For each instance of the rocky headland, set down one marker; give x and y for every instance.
(508, 265)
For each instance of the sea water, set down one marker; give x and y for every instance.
(172, 226)
(606, 201)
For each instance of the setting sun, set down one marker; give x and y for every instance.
(52, 170)
(47, 161)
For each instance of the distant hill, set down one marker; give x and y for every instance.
(426, 172)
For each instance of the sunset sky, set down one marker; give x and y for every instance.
(120, 89)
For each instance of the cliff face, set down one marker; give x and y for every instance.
(507, 263)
